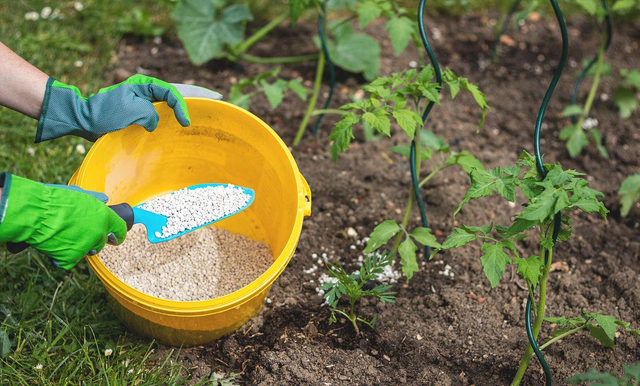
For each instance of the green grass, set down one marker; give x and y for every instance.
(55, 325)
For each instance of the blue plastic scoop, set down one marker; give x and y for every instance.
(154, 222)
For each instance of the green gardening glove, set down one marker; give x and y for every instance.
(65, 111)
(63, 224)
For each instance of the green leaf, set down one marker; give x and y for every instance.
(408, 120)
(576, 139)
(424, 237)
(379, 120)
(203, 33)
(5, 344)
(430, 91)
(296, 7)
(608, 324)
(494, 262)
(591, 6)
(429, 139)
(629, 192)
(274, 91)
(478, 96)
(530, 268)
(381, 234)
(633, 371)
(355, 52)
(592, 376)
(367, 12)
(572, 110)
(400, 30)
(484, 183)
(623, 5)
(541, 207)
(458, 238)
(520, 225)
(632, 77)
(599, 334)
(597, 139)
(408, 260)
(625, 100)
(465, 160)
(342, 134)
(296, 86)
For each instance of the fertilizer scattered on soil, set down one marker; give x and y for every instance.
(190, 208)
(204, 264)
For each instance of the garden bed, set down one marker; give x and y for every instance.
(444, 330)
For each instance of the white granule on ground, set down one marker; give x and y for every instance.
(204, 264)
(190, 208)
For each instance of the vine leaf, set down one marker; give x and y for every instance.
(381, 234)
(408, 260)
(530, 268)
(625, 100)
(205, 30)
(342, 134)
(400, 30)
(355, 52)
(494, 261)
(630, 192)
(425, 237)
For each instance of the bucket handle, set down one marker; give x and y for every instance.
(307, 196)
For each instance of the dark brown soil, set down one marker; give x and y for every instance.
(443, 330)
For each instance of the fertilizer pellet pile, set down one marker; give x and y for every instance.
(190, 208)
(204, 264)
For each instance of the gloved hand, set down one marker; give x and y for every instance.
(61, 223)
(65, 111)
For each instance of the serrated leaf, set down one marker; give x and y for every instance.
(597, 139)
(430, 91)
(530, 268)
(572, 110)
(296, 7)
(576, 139)
(494, 262)
(484, 183)
(593, 376)
(465, 160)
(437, 142)
(458, 238)
(274, 91)
(296, 86)
(367, 12)
(342, 134)
(623, 5)
(478, 96)
(625, 100)
(381, 234)
(379, 120)
(408, 260)
(400, 30)
(629, 192)
(424, 237)
(408, 120)
(5, 344)
(599, 334)
(632, 77)
(520, 225)
(591, 6)
(608, 324)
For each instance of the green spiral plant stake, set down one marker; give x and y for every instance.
(550, 191)
(332, 70)
(575, 133)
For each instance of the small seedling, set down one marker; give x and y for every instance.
(351, 287)
(560, 191)
(593, 377)
(268, 82)
(629, 192)
(401, 97)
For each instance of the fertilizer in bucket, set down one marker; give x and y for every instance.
(204, 264)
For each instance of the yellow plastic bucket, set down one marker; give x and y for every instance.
(223, 144)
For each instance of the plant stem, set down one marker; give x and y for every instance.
(329, 111)
(563, 335)
(278, 59)
(312, 100)
(433, 174)
(353, 318)
(524, 363)
(259, 34)
(594, 89)
(405, 221)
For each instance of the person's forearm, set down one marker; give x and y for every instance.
(22, 86)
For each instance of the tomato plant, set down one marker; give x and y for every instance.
(400, 97)
(546, 199)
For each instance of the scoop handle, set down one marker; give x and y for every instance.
(124, 210)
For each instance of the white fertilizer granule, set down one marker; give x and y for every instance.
(204, 264)
(190, 208)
